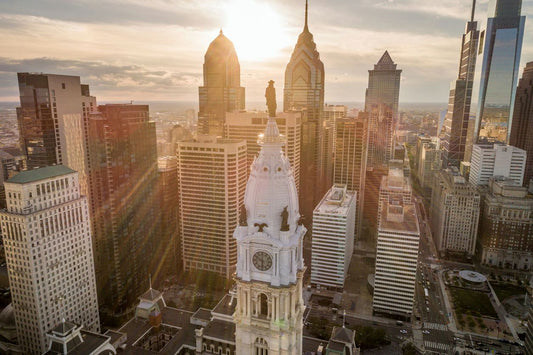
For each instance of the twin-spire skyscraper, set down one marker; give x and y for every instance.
(303, 91)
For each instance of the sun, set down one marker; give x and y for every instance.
(255, 29)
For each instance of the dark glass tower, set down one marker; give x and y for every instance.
(500, 46)
(123, 184)
(222, 91)
(455, 129)
(522, 128)
(304, 91)
(381, 103)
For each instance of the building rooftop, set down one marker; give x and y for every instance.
(336, 201)
(402, 219)
(40, 174)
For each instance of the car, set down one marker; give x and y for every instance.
(403, 331)
(425, 331)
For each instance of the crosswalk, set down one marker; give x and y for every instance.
(436, 326)
(432, 345)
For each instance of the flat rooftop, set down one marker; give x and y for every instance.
(401, 218)
(337, 201)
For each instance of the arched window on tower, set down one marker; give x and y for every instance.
(263, 305)
(260, 347)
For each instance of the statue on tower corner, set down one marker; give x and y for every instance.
(270, 94)
(284, 220)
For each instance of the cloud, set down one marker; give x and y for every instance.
(107, 81)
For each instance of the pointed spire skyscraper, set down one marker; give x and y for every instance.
(304, 91)
(454, 132)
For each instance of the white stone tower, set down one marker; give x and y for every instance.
(270, 265)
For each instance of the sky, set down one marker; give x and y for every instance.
(153, 50)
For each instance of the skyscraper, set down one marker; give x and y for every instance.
(52, 121)
(333, 238)
(522, 128)
(167, 247)
(249, 125)
(212, 179)
(456, 120)
(455, 206)
(496, 159)
(47, 238)
(396, 259)
(381, 103)
(500, 46)
(304, 90)
(351, 141)
(222, 91)
(123, 181)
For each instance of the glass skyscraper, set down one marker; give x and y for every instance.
(500, 45)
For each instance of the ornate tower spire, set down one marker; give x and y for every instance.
(270, 265)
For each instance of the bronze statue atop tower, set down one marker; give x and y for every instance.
(270, 94)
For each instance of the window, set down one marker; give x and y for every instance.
(260, 347)
(263, 305)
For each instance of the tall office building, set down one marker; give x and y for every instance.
(381, 104)
(429, 163)
(395, 185)
(455, 127)
(52, 121)
(396, 260)
(522, 128)
(500, 46)
(212, 180)
(528, 341)
(47, 239)
(249, 126)
(123, 182)
(222, 91)
(496, 159)
(333, 238)
(455, 206)
(304, 91)
(166, 245)
(506, 225)
(351, 140)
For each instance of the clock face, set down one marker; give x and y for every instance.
(262, 261)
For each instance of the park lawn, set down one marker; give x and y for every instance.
(477, 302)
(504, 291)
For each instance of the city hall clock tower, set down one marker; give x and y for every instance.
(270, 265)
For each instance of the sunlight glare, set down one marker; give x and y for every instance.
(255, 29)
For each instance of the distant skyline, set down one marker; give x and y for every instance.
(153, 50)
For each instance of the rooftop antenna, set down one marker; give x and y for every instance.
(473, 10)
(151, 290)
(305, 27)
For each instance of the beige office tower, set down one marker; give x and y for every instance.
(222, 91)
(250, 125)
(455, 206)
(429, 163)
(52, 119)
(333, 238)
(47, 240)
(304, 91)
(212, 179)
(396, 260)
(394, 185)
(351, 141)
